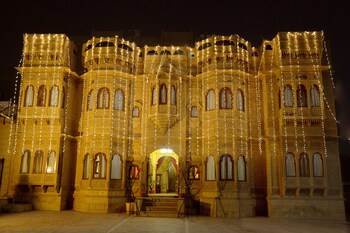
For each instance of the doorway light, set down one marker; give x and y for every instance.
(166, 150)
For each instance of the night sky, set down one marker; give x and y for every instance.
(252, 20)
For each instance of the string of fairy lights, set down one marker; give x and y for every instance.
(246, 107)
(68, 101)
(283, 100)
(13, 135)
(233, 115)
(315, 65)
(273, 119)
(179, 104)
(217, 142)
(189, 108)
(258, 105)
(291, 74)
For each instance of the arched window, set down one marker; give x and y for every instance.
(86, 167)
(90, 100)
(54, 96)
(317, 165)
(301, 96)
(315, 96)
(290, 165)
(134, 172)
(125, 47)
(25, 162)
(119, 100)
(194, 173)
(41, 96)
(38, 161)
(100, 166)
(240, 100)
(226, 167)
(152, 52)
(116, 167)
(103, 98)
(154, 95)
(135, 112)
(304, 169)
(225, 98)
(268, 47)
(225, 42)
(173, 95)
(210, 168)
(162, 94)
(29, 96)
(241, 168)
(165, 52)
(288, 96)
(51, 162)
(194, 111)
(204, 46)
(63, 97)
(179, 52)
(210, 100)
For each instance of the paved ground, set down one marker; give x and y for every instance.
(72, 222)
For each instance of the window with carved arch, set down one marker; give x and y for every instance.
(100, 166)
(135, 112)
(225, 98)
(25, 162)
(163, 94)
(63, 97)
(154, 95)
(194, 112)
(240, 100)
(90, 100)
(134, 172)
(51, 162)
(103, 98)
(86, 167)
(301, 96)
(119, 100)
(210, 168)
(194, 173)
(226, 167)
(315, 96)
(54, 93)
(241, 168)
(304, 169)
(173, 95)
(290, 165)
(116, 167)
(29, 96)
(41, 100)
(317, 164)
(38, 162)
(288, 96)
(210, 100)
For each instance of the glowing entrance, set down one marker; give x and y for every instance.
(162, 172)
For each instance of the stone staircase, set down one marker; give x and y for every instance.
(160, 207)
(7, 205)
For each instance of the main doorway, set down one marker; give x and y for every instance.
(162, 173)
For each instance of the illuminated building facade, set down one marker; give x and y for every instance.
(250, 130)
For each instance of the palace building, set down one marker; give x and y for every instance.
(239, 131)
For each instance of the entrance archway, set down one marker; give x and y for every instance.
(162, 172)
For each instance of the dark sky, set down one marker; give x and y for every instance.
(253, 20)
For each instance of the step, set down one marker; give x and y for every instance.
(159, 207)
(17, 207)
(164, 214)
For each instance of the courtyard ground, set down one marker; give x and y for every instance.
(74, 222)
